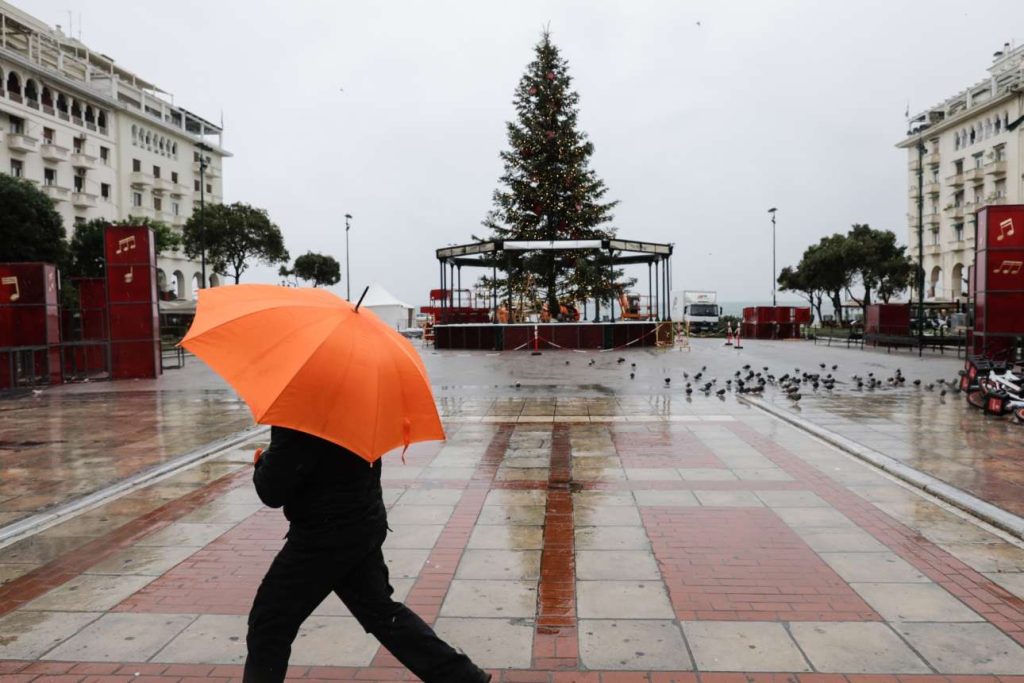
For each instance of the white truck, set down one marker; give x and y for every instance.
(699, 309)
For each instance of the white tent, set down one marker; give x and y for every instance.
(395, 313)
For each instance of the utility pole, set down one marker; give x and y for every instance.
(348, 273)
(774, 282)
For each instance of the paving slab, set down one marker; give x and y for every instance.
(743, 646)
(851, 648)
(121, 638)
(633, 644)
(965, 648)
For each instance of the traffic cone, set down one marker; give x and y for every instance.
(728, 334)
(738, 345)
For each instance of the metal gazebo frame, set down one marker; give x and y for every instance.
(620, 252)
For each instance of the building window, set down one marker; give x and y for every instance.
(79, 145)
(176, 208)
(978, 160)
(17, 125)
(197, 185)
(156, 171)
(209, 188)
(16, 168)
(48, 135)
(174, 177)
(958, 167)
(80, 182)
(935, 238)
(958, 232)
(136, 199)
(105, 155)
(136, 165)
(158, 204)
(105, 190)
(999, 153)
(49, 176)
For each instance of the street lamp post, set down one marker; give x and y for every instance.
(920, 246)
(348, 272)
(774, 282)
(202, 214)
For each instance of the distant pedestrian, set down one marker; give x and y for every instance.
(333, 501)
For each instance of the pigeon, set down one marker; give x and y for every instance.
(566, 362)
(631, 375)
(795, 397)
(621, 360)
(668, 380)
(632, 365)
(517, 385)
(917, 382)
(592, 361)
(834, 368)
(689, 390)
(720, 393)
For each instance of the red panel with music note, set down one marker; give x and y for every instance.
(131, 297)
(1002, 271)
(1001, 227)
(28, 284)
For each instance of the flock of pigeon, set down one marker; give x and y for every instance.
(793, 384)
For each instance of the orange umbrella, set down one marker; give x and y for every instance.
(306, 359)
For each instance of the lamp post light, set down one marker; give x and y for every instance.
(202, 212)
(348, 272)
(920, 244)
(774, 281)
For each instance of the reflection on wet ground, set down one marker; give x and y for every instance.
(59, 446)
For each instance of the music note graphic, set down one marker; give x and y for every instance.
(51, 282)
(125, 244)
(1005, 227)
(1009, 267)
(129, 276)
(12, 280)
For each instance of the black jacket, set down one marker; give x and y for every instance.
(330, 495)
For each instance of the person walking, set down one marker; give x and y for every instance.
(334, 504)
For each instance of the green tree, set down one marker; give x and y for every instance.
(87, 250)
(795, 280)
(880, 265)
(233, 236)
(320, 269)
(30, 228)
(548, 191)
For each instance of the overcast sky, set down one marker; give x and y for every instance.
(704, 114)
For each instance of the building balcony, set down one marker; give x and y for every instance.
(996, 167)
(162, 185)
(18, 142)
(177, 190)
(974, 175)
(178, 221)
(141, 212)
(162, 216)
(141, 179)
(955, 212)
(52, 152)
(956, 180)
(82, 160)
(914, 165)
(995, 200)
(932, 249)
(932, 188)
(932, 219)
(56, 192)
(83, 200)
(914, 194)
(209, 197)
(931, 159)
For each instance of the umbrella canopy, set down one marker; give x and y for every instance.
(305, 359)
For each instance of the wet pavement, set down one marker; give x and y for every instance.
(63, 443)
(583, 526)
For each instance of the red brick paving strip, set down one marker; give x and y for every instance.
(114, 672)
(555, 642)
(662, 449)
(993, 602)
(71, 564)
(745, 564)
(428, 592)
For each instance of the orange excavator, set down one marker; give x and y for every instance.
(634, 307)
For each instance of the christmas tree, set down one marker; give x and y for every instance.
(549, 192)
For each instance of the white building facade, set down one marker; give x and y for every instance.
(102, 142)
(970, 153)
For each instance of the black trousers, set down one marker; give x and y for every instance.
(299, 579)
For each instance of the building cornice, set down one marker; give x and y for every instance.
(943, 126)
(78, 88)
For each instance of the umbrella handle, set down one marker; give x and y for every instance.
(361, 298)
